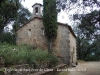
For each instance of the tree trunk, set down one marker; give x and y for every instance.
(78, 49)
(14, 39)
(1, 34)
(50, 45)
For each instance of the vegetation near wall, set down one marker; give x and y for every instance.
(50, 21)
(23, 54)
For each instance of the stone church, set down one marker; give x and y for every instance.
(32, 33)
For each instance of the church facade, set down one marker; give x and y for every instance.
(32, 33)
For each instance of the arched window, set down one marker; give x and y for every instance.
(43, 30)
(36, 10)
(73, 50)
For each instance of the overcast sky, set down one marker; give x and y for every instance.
(63, 17)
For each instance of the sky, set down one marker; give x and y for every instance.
(62, 17)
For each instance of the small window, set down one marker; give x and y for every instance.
(36, 10)
(29, 32)
(73, 50)
(42, 31)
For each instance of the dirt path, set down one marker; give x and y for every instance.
(86, 68)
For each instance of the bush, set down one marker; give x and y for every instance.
(53, 60)
(42, 56)
(7, 37)
(15, 54)
(25, 54)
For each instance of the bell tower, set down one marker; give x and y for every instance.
(37, 10)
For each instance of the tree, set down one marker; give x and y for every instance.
(12, 11)
(72, 4)
(8, 12)
(22, 17)
(7, 37)
(50, 21)
(72, 7)
(90, 24)
(88, 36)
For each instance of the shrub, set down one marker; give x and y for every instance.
(53, 60)
(13, 54)
(25, 54)
(42, 56)
(7, 37)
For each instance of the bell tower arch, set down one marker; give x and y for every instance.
(37, 10)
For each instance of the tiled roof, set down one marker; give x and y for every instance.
(37, 4)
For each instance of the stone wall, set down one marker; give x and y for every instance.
(73, 53)
(37, 38)
(33, 34)
(63, 42)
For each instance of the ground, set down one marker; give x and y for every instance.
(84, 68)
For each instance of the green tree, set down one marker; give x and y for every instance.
(8, 12)
(74, 4)
(50, 21)
(12, 11)
(90, 25)
(22, 17)
(88, 36)
(7, 37)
